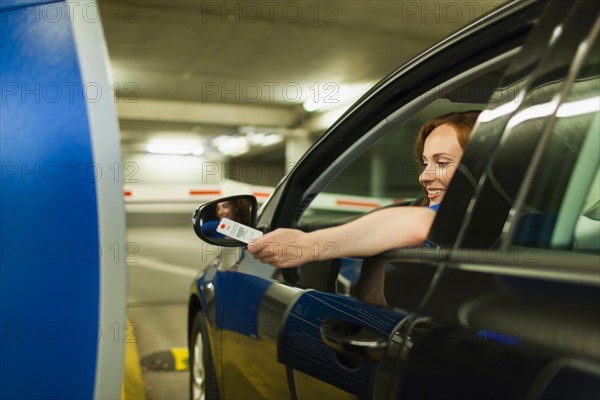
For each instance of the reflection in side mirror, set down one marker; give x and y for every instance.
(206, 218)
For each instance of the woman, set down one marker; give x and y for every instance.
(439, 148)
(236, 210)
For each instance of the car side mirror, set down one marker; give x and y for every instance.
(206, 218)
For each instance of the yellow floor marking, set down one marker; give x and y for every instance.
(181, 355)
(133, 384)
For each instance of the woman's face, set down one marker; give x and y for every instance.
(225, 210)
(441, 155)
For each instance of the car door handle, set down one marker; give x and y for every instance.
(353, 340)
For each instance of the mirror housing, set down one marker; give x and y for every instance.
(240, 208)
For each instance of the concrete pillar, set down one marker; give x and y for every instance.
(378, 175)
(295, 147)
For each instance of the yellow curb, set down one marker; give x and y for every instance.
(181, 355)
(133, 384)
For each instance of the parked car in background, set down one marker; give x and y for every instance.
(502, 305)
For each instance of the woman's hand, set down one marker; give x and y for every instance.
(284, 248)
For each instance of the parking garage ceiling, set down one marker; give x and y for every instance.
(200, 69)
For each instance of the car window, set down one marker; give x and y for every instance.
(528, 126)
(509, 96)
(561, 208)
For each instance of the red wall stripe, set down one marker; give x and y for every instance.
(356, 203)
(205, 192)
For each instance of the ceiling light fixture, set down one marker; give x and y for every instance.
(175, 148)
(232, 145)
(263, 139)
(270, 140)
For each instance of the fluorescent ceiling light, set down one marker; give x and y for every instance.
(263, 139)
(197, 150)
(311, 105)
(271, 140)
(232, 145)
(175, 148)
(255, 138)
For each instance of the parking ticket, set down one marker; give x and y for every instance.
(238, 231)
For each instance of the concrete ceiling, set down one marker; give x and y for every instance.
(197, 69)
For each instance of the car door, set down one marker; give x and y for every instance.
(311, 324)
(513, 313)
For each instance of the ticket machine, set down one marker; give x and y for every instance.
(62, 234)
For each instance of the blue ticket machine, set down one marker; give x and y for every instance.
(62, 235)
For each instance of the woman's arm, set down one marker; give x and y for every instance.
(371, 234)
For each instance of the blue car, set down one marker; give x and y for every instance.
(501, 304)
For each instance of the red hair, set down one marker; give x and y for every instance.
(462, 122)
